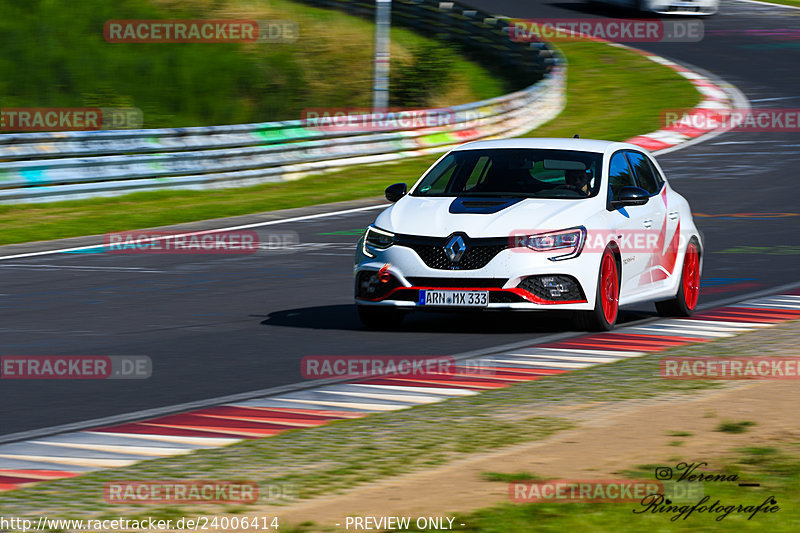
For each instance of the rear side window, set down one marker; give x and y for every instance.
(646, 175)
(619, 174)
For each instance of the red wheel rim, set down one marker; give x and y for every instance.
(691, 276)
(609, 288)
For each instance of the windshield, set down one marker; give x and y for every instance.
(530, 173)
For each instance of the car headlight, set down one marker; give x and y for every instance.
(571, 241)
(376, 239)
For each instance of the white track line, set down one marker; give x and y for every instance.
(579, 351)
(405, 398)
(204, 232)
(150, 451)
(432, 390)
(213, 442)
(678, 332)
(73, 461)
(574, 358)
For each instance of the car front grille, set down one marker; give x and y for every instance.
(431, 250)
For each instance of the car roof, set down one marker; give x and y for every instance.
(582, 145)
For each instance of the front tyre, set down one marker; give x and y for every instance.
(685, 300)
(606, 302)
(380, 318)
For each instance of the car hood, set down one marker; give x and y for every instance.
(434, 217)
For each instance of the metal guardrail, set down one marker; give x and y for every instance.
(37, 167)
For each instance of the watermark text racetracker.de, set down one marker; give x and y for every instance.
(740, 120)
(614, 30)
(730, 368)
(602, 490)
(75, 367)
(31, 119)
(197, 491)
(209, 242)
(357, 366)
(364, 119)
(200, 31)
(182, 491)
(417, 366)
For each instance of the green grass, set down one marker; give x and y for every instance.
(600, 78)
(326, 459)
(611, 94)
(54, 55)
(510, 478)
(735, 427)
(795, 3)
(777, 472)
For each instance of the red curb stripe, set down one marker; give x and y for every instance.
(19, 480)
(320, 412)
(620, 344)
(447, 377)
(731, 318)
(648, 143)
(143, 429)
(510, 374)
(600, 345)
(239, 412)
(669, 338)
(38, 474)
(753, 317)
(789, 314)
(686, 130)
(238, 432)
(442, 384)
(644, 342)
(191, 420)
(279, 422)
(525, 371)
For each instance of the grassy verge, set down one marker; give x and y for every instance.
(326, 459)
(777, 471)
(600, 77)
(55, 55)
(794, 3)
(611, 94)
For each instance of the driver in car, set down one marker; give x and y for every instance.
(578, 181)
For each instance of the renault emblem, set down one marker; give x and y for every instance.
(455, 248)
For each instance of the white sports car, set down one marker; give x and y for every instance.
(532, 224)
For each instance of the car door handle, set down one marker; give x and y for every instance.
(673, 215)
(648, 223)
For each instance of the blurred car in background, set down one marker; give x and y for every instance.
(666, 7)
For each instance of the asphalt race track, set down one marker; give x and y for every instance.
(215, 325)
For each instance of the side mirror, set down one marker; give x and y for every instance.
(396, 191)
(630, 196)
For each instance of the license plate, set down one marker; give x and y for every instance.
(454, 298)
